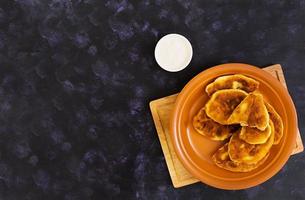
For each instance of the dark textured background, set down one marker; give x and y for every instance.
(76, 77)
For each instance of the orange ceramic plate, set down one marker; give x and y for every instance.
(195, 151)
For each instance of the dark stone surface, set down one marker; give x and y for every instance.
(76, 77)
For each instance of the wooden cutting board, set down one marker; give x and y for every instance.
(161, 109)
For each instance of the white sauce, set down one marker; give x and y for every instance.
(173, 52)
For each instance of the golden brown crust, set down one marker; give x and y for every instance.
(211, 129)
(254, 135)
(222, 103)
(278, 123)
(237, 81)
(222, 159)
(251, 112)
(241, 151)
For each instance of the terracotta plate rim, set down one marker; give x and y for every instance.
(218, 181)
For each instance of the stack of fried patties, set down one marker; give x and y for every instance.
(237, 113)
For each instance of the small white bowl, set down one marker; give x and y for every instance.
(173, 52)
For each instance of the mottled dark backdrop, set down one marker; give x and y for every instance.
(76, 77)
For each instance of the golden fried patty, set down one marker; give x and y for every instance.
(222, 103)
(236, 81)
(254, 135)
(222, 159)
(241, 151)
(211, 129)
(278, 123)
(251, 112)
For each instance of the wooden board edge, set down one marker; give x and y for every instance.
(280, 75)
(165, 147)
(185, 182)
(271, 67)
(163, 141)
